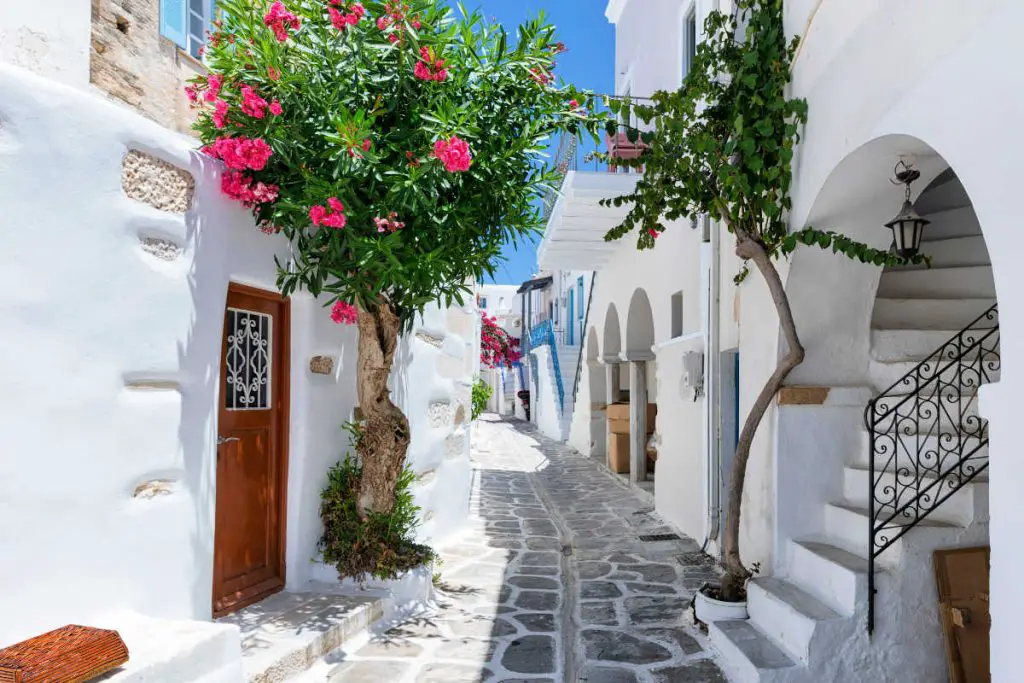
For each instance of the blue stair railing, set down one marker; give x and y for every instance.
(542, 334)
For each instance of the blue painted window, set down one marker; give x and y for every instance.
(173, 22)
(185, 23)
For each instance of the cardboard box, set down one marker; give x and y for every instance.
(618, 453)
(618, 426)
(620, 411)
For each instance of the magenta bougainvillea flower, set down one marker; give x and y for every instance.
(344, 313)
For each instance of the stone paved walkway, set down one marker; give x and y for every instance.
(551, 583)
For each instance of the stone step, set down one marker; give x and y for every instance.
(892, 377)
(837, 577)
(921, 442)
(916, 345)
(288, 633)
(899, 487)
(952, 252)
(175, 651)
(930, 314)
(848, 526)
(790, 616)
(748, 655)
(959, 221)
(938, 283)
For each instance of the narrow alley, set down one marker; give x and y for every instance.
(557, 580)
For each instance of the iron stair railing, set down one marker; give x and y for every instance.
(544, 333)
(926, 417)
(583, 341)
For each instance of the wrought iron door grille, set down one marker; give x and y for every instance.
(926, 437)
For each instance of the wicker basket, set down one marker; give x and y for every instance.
(70, 654)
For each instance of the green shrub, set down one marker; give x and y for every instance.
(382, 545)
(481, 394)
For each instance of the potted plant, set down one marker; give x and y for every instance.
(709, 605)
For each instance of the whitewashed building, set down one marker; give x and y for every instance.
(925, 348)
(134, 293)
(504, 304)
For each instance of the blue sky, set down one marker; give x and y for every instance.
(589, 64)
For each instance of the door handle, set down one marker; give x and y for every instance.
(222, 440)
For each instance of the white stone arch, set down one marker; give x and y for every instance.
(639, 324)
(597, 378)
(612, 337)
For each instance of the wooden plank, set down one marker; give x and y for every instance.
(961, 577)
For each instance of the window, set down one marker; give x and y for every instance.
(247, 357)
(185, 23)
(677, 315)
(689, 40)
(483, 302)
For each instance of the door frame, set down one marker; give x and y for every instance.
(283, 385)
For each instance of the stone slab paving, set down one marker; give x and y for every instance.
(550, 583)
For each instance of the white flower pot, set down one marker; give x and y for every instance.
(709, 610)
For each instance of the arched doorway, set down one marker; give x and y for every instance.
(885, 458)
(598, 393)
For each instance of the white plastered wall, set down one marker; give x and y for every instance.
(111, 359)
(49, 38)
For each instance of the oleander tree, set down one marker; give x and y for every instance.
(398, 146)
(497, 347)
(722, 145)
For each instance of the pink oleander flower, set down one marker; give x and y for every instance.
(279, 19)
(389, 224)
(241, 153)
(273, 74)
(367, 144)
(454, 154)
(653, 233)
(416, 24)
(275, 108)
(192, 92)
(383, 23)
(357, 10)
(214, 83)
(344, 313)
(220, 113)
(429, 67)
(393, 38)
(242, 188)
(573, 104)
(252, 104)
(333, 218)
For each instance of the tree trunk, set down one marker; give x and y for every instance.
(736, 574)
(385, 432)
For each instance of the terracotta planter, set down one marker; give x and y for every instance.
(709, 610)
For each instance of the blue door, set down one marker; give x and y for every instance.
(569, 320)
(580, 308)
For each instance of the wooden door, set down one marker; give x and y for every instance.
(961, 576)
(252, 450)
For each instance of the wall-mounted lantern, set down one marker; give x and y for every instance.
(907, 227)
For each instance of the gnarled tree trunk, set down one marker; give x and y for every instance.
(736, 574)
(385, 434)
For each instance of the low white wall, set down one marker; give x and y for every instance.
(111, 356)
(544, 408)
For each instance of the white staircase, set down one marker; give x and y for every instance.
(568, 360)
(810, 626)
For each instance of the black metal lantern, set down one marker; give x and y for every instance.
(908, 226)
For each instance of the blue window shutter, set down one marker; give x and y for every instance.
(172, 21)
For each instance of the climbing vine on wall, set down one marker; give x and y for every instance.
(723, 146)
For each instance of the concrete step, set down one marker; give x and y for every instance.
(175, 651)
(835, 576)
(848, 526)
(931, 313)
(916, 345)
(899, 487)
(972, 371)
(938, 283)
(959, 221)
(790, 616)
(953, 252)
(748, 655)
(288, 633)
(936, 447)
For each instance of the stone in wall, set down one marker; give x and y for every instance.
(157, 183)
(131, 62)
(455, 445)
(163, 249)
(439, 413)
